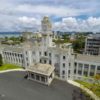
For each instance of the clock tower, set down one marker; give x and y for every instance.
(46, 32)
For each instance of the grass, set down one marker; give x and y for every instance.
(95, 88)
(8, 67)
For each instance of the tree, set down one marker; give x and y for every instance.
(79, 44)
(1, 60)
(97, 78)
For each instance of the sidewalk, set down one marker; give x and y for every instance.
(84, 88)
(11, 70)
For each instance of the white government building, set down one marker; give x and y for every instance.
(42, 58)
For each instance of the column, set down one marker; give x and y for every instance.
(83, 70)
(89, 70)
(77, 69)
(34, 76)
(95, 70)
(29, 74)
(46, 79)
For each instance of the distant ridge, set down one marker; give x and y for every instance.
(10, 32)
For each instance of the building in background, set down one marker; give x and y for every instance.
(92, 44)
(86, 66)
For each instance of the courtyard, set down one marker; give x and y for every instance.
(13, 86)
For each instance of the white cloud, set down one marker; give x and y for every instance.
(73, 24)
(61, 11)
(21, 14)
(29, 23)
(28, 20)
(70, 21)
(93, 21)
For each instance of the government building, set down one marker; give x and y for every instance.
(44, 59)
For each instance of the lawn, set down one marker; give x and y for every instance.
(9, 66)
(95, 88)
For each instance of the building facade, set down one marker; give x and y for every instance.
(45, 51)
(86, 66)
(92, 44)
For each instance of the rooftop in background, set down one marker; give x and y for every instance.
(94, 36)
(88, 58)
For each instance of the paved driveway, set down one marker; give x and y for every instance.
(14, 87)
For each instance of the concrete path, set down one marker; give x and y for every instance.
(84, 88)
(11, 70)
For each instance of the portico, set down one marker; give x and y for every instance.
(42, 73)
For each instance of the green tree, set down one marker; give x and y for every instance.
(78, 44)
(1, 60)
(97, 79)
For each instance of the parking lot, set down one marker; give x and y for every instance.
(13, 86)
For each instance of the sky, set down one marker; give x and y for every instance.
(66, 15)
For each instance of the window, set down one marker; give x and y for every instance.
(69, 64)
(98, 67)
(27, 64)
(50, 62)
(37, 77)
(64, 57)
(42, 78)
(68, 71)
(91, 74)
(21, 55)
(63, 65)
(74, 71)
(85, 73)
(27, 59)
(40, 61)
(45, 61)
(49, 54)
(92, 66)
(63, 72)
(18, 55)
(80, 65)
(86, 66)
(32, 75)
(26, 52)
(45, 53)
(79, 72)
(75, 64)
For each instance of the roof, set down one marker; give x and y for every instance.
(94, 36)
(16, 49)
(44, 69)
(58, 49)
(88, 58)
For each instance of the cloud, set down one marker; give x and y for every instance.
(93, 21)
(28, 20)
(74, 24)
(29, 23)
(23, 14)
